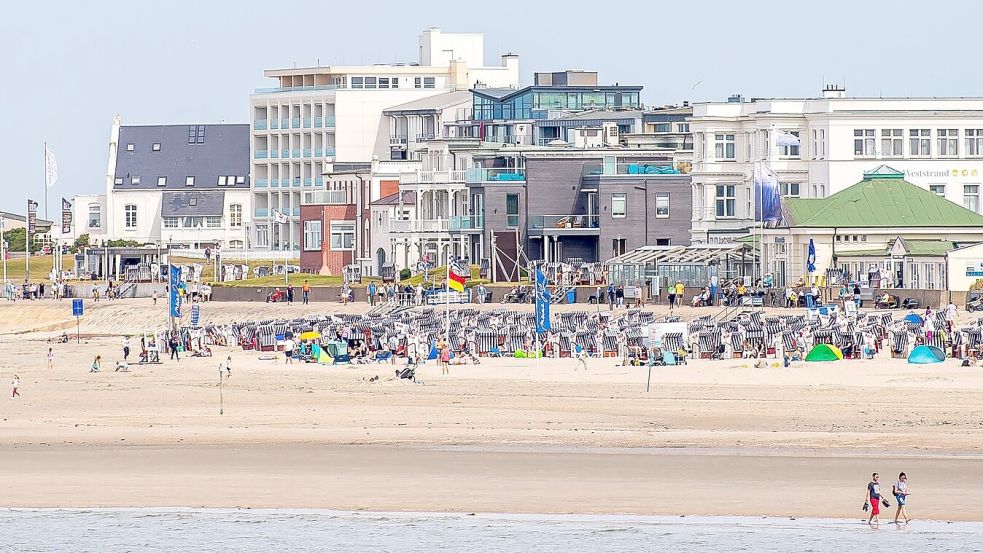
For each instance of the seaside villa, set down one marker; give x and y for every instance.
(883, 232)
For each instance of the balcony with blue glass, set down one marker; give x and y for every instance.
(284, 123)
(568, 224)
(466, 223)
(535, 102)
(274, 183)
(308, 88)
(308, 152)
(308, 181)
(261, 212)
(307, 122)
(285, 153)
(324, 122)
(295, 122)
(329, 152)
(259, 125)
(612, 168)
(295, 152)
(261, 154)
(261, 183)
(505, 175)
(274, 123)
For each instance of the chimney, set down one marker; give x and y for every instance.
(834, 91)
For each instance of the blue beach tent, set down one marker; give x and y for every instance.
(926, 354)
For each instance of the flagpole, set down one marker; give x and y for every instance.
(45, 157)
(27, 242)
(447, 301)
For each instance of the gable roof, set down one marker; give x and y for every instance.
(210, 203)
(882, 199)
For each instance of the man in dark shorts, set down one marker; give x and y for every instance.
(873, 498)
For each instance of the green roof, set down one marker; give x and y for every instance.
(882, 199)
(914, 248)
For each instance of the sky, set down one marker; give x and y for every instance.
(70, 66)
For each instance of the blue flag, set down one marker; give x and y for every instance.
(542, 303)
(175, 296)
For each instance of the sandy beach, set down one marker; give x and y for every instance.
(711, 437)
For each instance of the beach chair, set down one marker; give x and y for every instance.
(669, 358)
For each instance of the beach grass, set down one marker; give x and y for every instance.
(40, 267)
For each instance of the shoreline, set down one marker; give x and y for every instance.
(426, 479)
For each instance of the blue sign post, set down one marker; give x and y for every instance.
(77, 310)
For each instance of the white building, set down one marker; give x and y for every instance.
(317, 116)
(936, 142)
(185, 185)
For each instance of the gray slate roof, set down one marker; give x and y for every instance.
(220, 150)
(195, 203)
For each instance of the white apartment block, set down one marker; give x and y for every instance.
(937, 142)
(319, 119)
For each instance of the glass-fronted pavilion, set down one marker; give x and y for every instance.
(533, 102)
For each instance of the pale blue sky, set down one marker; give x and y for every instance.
(70, 66)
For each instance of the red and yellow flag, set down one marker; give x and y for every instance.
(455, 280)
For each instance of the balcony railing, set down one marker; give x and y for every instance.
(439, 177)
(325, 197)
(261, 212)
(397, 140)
(261, 154)
(329, 152)
(295, 152)
(296, 88)
(497, 174)
(307, 122)
(318, 153)
(285, 153)
(420, 225)
(308, 152)
(329, 121)
(285, 123)
(573, 222)
(296, 212)
(466, 222)
(261, 183)
(295, 122)
(653, 168)
(259, 125)
(274, 153)
(274, 123)
(425, 136)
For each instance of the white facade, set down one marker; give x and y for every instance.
(319, 116)
(937, 142)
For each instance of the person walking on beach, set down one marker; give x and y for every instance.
(900, 491)
(155, 298)
(172, 345)
(873, 499)
(306, 291)
(96, 364)
(371, 291)
(15, 383)
(51, 358)
(611, 297)
(671, 294)
(228, 367)
(126, 347)
(290, 294)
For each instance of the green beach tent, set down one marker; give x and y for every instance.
(824, 352)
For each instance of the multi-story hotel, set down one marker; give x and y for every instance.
(317, 119)
(819, 146)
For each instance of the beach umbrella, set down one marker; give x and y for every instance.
(310, 335)
(824, 352)
(913, 318)
(926, 354)
(811, 258)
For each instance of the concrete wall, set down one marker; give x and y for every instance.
(260, 293)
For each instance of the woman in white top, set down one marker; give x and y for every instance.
(901, 492)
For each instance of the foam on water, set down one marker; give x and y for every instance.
(112, 530)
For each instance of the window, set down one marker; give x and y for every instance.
(370, 82)
(95, 216)
(189, 181)
(863, 142)
(619, 205)
(948, 142)
(789, 189)
(356, 82)
(937, 189)
(129, 147)
(235, 244)
(130, 215)
(196, 134)
(920, 142)
(240, 180)
(724, 146)
(971, 197)
(726, 200)
(312, 235)
(429, 82)
(512, 211)
(213, 222)
(221, 181)
(683, 127)
(161, 181)
(417, 82)
(156, 147)
(822, 143)
(662, 242)
(263, 236)
(788, 144)
(383, 82)
(135, 180)
(663, 127)
(395, 82)
(235, 215)
(892, 142)
(342, 235)
(170, 222)
(661, 205)
(974, 142)
(118, 180)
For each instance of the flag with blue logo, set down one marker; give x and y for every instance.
(811, 257)
(768, 197)
(542, 303)
(174, 288)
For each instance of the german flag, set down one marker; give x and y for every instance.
(455, 277)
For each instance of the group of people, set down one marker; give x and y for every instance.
(34, 291)
(874, 499)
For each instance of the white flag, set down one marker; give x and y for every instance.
(50, 168)
(279, 217)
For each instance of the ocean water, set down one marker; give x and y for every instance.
(268, 531)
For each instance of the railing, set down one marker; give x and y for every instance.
(261, 183)
(261, 154)
(261, 212)
(653, 168)
(285, 153)
(425, 136)
(296, 212)
(250, 255)
(274, 153)
(325, 197)
(420, 225)
(511, 221)
(430, 177)
(274, 123)
(295, 122)
(329, 152)
(307, 122)
(329, 121)
(259, 125)
(546, 141)
(296, 88)
(295, 152)
(497, 174)
(285, 123)
(308, 181)
(466, 222)
(397, 140)
(308, 152)
(573, 222)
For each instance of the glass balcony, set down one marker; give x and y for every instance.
(296, 182)
(284, 153)
(308, 152)
(296, 212)
(261, 154)
(259, 125)
(296, 122)
(295, 152)
(284, 123)
(565, 222)
(307, 122)
(261, 183)
(318, 122)
(274, 123)
(275, 183)
(318, 153)
(329, 152)
(318, 180)
(497, 174)
(329, 121)
(419, 225)
(274, 153)
(308, 181)
(466, 222)
(261, 212)
(307, 88)
(325, 197)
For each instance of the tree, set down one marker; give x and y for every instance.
(15, 240)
